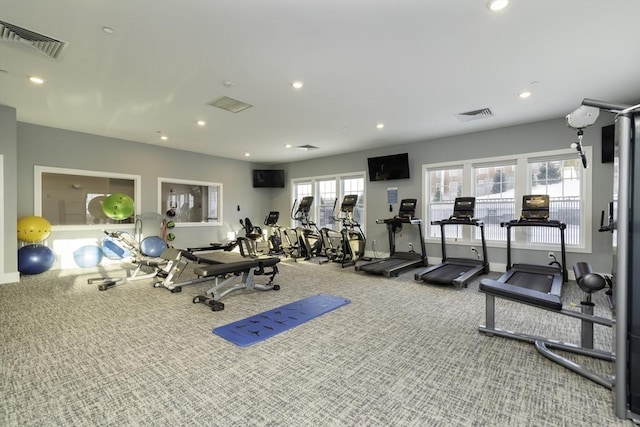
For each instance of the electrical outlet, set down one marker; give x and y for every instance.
(551, 255)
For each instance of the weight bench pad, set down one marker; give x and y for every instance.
(234, 267)
(518, 293)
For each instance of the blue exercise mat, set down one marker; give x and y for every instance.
(258, 328)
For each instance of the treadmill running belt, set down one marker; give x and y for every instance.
(448, 272)
(536, 282)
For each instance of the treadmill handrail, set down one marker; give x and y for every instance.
(399, 219)
(459, 221)
(524, 223)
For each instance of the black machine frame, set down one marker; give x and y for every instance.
(397, 261)
(541, 278)
(457, 271)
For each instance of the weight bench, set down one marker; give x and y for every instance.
(179, 261)
(588, 282)
(225, 274)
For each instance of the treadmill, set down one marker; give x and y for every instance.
(398, 261)
(542, 278)
(457, 271)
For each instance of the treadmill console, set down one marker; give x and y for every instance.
(464, 208)
(407, 208)
(535, 208)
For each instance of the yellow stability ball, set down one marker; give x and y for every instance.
(33, 229)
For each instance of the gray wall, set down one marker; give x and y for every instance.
(44, 146)
(58, 148)
(25, 145)
(534, 137)
(8, 149)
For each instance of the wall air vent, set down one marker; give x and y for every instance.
(483, 113)
(307, 147)
(230, 104)
(19, 36)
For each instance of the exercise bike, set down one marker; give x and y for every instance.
(248, 244)
(347, 245)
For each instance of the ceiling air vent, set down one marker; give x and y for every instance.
(307, 147)
(230, 104)
(23, 37)
(483, 113)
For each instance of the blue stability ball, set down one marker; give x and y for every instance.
(35, 259)
(153, 246)
(88, 256)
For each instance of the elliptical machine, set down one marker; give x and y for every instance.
(275, 237)
(347, 245)
(305, 240)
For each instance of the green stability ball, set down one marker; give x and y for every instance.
(118, 206)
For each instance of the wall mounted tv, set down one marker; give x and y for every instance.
(268, 178)
(386, 168)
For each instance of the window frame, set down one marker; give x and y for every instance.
(179, 224)
(39, 170)
(522, 187)
(314, 180)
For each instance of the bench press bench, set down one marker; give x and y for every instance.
(225, 274)
(589, 282)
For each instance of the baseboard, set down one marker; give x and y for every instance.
(9, 278)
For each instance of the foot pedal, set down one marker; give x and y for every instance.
(215, 305)
(104, 283)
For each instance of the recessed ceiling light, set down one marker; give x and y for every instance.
(164, 137)
(36, 80)
(524, 94)
(297, 84)
(201, 122)
(496, 5)
(108, 30)
(380, 125)
(247, 154)
(288, 146)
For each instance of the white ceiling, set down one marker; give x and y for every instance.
(410, 64)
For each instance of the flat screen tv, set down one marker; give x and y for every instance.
(268, 178)
(386, 168)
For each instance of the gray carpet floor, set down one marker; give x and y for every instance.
(400, 354)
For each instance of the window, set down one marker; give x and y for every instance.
(326, 190)
(71, 198)
(494, 189)
(561, 179)
(191, 202)
(499, 184)
(445, 184)
(354, 185)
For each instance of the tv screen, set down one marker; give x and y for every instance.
(268, 178)
(386, 168)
